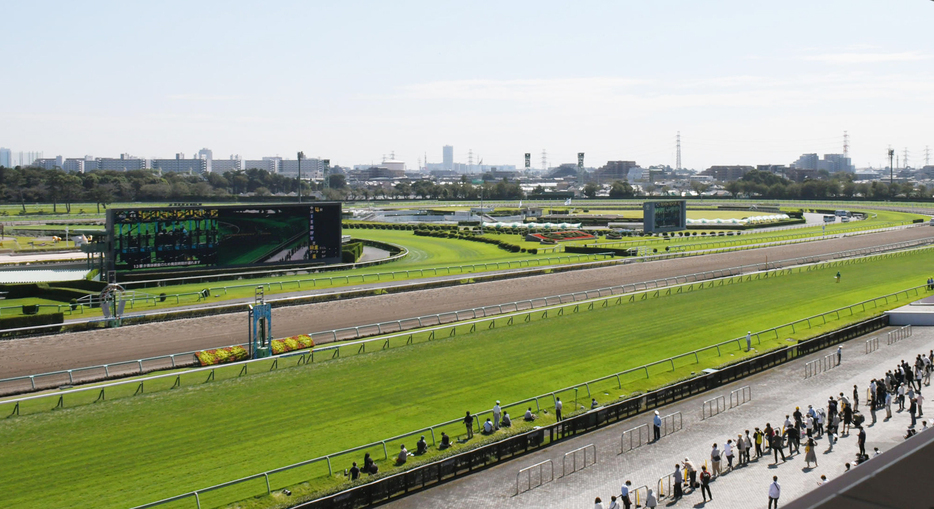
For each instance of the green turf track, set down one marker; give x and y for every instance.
(135, 450)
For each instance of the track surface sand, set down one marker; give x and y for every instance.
(67, 351)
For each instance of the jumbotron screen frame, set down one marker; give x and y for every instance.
(197, 237)
(664, 216)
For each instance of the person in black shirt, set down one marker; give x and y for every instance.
(354, 472)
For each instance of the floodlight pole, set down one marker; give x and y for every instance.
(891, 168)
(301, 156)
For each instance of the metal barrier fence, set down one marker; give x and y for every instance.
(641, 434)
(898, 334)
(528, 471)
(581, 451)
(671, 423)
(872, 344)
(712, 407)
(639, 494)
(740, 396)
(422, 477)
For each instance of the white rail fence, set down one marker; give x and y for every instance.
(585, 460)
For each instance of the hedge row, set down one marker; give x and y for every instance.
(512, 248)
(351, 252)
(17, 322)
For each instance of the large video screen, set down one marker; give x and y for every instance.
(664, 216)
(222, 237)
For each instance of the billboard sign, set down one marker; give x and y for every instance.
(219, 237)
(664, 216)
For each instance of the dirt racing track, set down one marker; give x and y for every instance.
(67, 351)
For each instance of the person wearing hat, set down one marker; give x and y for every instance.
(657, 426)
(497, 413)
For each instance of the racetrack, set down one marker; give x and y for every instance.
(67, 351)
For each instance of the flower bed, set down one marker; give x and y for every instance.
(222, 355)
(559, 236)
(291, 344)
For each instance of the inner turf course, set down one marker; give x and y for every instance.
(131, 451)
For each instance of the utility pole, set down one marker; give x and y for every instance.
(301, 155)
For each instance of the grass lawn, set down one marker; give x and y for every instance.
(135, 450)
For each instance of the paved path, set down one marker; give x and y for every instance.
(775, 394)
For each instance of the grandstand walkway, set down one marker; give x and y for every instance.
(775, 394)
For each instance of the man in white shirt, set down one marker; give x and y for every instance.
(918, 399)
(775, 491)
(497, 413)
(558, 407)
(888, 405)
(625, 495)
(488, 427)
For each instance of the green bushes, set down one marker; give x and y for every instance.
(63, 291)
(512, 248)
(33, 320)
(351, 252)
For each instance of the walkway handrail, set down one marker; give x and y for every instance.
(573, 455)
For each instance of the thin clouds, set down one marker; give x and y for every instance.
(520, 90)
(203, 97)
(867, 58)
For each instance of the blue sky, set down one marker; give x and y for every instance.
(744, 82)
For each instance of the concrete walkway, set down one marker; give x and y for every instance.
(774, 394)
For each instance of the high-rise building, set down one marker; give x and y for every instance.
(125, 162)
(448, 157)
(270, 164)
(6, 157)
(207, 155)
(180, 165)
(222, 166)
(311, 168)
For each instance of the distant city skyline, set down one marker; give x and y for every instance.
(744, 83)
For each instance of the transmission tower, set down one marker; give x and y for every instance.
(927, 155)
(469, 160)
(678, 162)
(846, 145)
(544, 160)
(905, 157)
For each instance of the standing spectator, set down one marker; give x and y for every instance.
(613, 503)
(913, 409)
(598, 504)
(855, 398)
(919, 399)
(847, 417)
(918, 377)
(728, 452)
(777, 447)
(839, 350)
(657, 426)
(872, 411)
(775, 491)
(624, 495)
(888, 405)
(749, 341)
(862, 441)
(747, 445)
(757, 436)
(838, 276)
(650, 500)
(497, 414)
(769, 433)
(809, 453)
(901, 397)
(468, 422)
(830, 439)
(705, 483)
(692, 474)
(679, 480)
(354, 472)
(820, 422)
(715, 460)
(558, 407)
